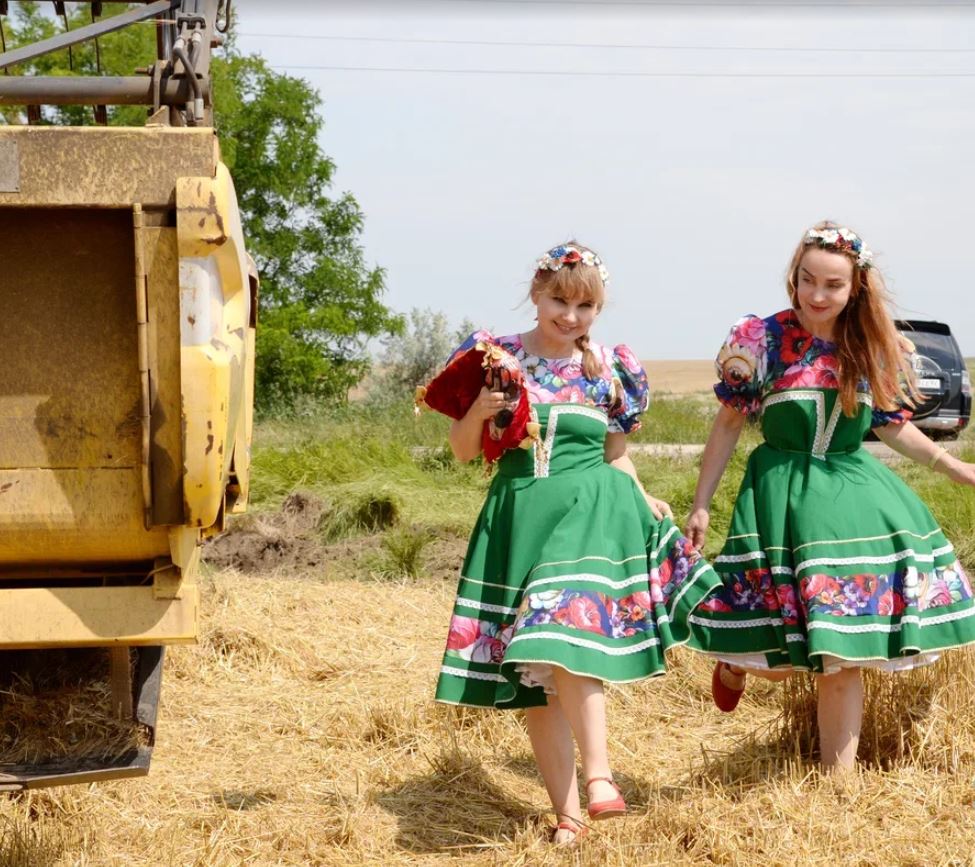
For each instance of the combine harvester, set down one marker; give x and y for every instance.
(127, 315)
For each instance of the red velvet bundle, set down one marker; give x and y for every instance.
(454, 390)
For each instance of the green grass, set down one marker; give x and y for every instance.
(355, 458)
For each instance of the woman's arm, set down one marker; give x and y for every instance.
(616, 456)
(907, 439)
(721, 443)
(465, 433)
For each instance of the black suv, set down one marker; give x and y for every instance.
(942, 378)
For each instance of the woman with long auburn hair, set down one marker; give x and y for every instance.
(832, 563)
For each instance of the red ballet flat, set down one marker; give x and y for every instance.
(724, 696)
(606, 809)
(579, 832)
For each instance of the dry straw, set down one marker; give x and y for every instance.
(301, 730)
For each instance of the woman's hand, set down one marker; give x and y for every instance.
(958, 471)
(697, 527)
(486, 405)
(465, 433)
(658, 507)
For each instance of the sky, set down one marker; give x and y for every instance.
(689, 143)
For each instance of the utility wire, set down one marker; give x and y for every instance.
(663, 4)
(624, 45)
(631, 74)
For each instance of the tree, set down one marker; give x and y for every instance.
(320, 300)
(416, 354)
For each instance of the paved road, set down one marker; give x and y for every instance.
(693, 450)
(670, 450)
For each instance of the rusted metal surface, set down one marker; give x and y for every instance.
(142, 338)
(67, 517)
(166, 455)
(215, 297)
(120, 681)
(9, 167)
(69, 375)
(96, 167)
(126, 368)
(34, 617)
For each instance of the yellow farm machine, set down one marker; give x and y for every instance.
(127, 320)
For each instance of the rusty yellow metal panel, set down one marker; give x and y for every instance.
(242, 448)
(126, 379)
(95, 616)
(69, 384)
(103, 167)
(214, 320)
(166, 461)
(64, 516)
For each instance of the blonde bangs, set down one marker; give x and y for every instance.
(577, 283)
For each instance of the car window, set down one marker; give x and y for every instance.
(940, 348)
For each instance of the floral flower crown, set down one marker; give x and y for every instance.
(844, 240)
(569, 254)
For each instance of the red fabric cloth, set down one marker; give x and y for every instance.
(454, 390)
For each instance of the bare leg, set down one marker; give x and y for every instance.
(734, 677)
(551, 740)
(840, 714)
(584, 705)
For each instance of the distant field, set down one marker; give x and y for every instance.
(680, 377)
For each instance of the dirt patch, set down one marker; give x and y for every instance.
(294, 539)
(286, 539)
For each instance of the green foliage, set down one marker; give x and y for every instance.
(320, 301)
(358, 512)
(354, 453)
(415, 355)
(403, 549)
(119, 53)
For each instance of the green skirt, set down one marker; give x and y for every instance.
(831, 560)
(566, 567)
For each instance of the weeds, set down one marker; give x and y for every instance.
(359, 512)
(403, 550)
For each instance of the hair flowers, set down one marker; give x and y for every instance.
(845, 240)
(569, 254)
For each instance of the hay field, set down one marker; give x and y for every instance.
(680, 377)
(301, 729)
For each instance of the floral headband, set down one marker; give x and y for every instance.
(568, 254)
(844, 240)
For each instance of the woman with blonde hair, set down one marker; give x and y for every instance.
(574, 575)
(832, 564)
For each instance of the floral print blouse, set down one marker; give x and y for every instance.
(761, 356)
(621, 389)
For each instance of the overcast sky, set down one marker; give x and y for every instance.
(691, 162)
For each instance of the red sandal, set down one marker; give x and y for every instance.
(578, 830)
(606, 809)
(725, 697)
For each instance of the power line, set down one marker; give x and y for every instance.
(630, 74)
(631, 45)
(664, 4)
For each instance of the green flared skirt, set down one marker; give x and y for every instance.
(566, 567)
(831, 560)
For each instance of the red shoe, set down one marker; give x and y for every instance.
(579, 832)
(606, 809)
(724, 696)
